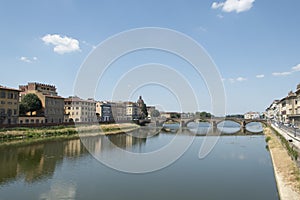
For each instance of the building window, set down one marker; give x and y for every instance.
(15, 111)
(10, 95)
(32, 121)
(27, 121)
(2, 102)
(9, 112)
(2, 111)
(3, 94)
(37, 121)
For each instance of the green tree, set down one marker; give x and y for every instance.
(155, 113)
(205, 115)
(30, 103)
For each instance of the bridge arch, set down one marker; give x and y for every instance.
(239, 121)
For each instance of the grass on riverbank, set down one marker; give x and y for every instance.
(283, 161)
(23, 133)
(292, 152)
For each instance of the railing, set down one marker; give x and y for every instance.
(291, 130)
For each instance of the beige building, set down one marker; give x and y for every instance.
(132, 110)
(31, 119)
(53, 105)
(293, 107)
(9, 105)
(291, 101)
(80, 110)
(286, 110)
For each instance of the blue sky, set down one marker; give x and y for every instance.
(254, 44)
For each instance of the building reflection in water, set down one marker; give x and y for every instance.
(37, 161)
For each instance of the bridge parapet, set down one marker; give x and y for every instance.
(213, 121)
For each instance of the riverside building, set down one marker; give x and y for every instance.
(53, 105)
(9, 105)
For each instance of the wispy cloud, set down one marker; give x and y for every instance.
(61, 44)
(239, 79)
(260, 76)
(220, 16)
(88, 44)
(287, 73)
(231, 80)
(296, 68)
(27, 60)
(233, 5)
(281, 73)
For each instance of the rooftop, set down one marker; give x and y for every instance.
(7, 88)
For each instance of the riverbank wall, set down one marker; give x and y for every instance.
(286, 172)
(80, 130)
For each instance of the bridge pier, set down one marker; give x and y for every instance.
(214, 124)
(243, 124)
(182, 123)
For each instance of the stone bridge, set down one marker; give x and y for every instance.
(213, 121)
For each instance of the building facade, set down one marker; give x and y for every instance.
(103, 111)
(286, 110)
(118, 110)
(9, 105)
(272, 112)
(132, 111)
(252, 115)
(53, 105)
(80, 110)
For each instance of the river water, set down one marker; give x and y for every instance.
(238, 167)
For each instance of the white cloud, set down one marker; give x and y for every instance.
(27, 60)
(240, 79)
(281, 73)
(296, 68)
(260, 76)
(62, 44)
(216, 5)
(234, 5)
(293, 70)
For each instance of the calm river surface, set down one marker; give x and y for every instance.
(239, 167)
